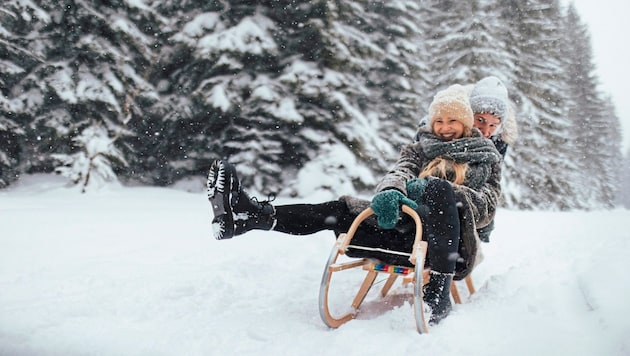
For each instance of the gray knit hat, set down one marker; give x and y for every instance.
(489, 95)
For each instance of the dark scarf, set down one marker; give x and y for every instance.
(471, 150)
(476, 151)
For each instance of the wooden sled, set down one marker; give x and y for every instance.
(417, 276)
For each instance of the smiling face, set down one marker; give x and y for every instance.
(450, 114)
(487, 123)
(448, 128)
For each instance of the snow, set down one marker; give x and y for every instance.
(334, 169)
(63, 84)
(251, 35)
(135, 271)
(137, 3)
(89, 88)
(362, 129)
(219, 98)
(198, 26)
(286, 111)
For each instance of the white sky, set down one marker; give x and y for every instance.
(607, 21)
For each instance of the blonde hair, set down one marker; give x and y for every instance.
(446, 168)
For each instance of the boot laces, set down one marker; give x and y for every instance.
(262, 204)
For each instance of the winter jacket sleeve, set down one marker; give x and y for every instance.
(484, 201)
(407, 167)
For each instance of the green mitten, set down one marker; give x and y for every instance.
(416, 188)
(386, 207)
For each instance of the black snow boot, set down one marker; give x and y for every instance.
(234, 211)
(437, 296)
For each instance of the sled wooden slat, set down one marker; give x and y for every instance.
(455, 293)
(388, 285)
(470, 285)
(336, 267)
(365, 287)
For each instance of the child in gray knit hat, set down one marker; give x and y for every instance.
(489, 95)
(494, 115)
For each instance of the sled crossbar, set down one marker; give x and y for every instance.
(377, 249)
(336, 267)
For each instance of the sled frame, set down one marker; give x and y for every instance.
(417, 276)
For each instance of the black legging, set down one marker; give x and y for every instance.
(437, 208)
(440, 225)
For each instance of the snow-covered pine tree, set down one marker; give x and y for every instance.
(544, 155)
(177, 129)
(274, 85)
(18, 22)
(224, 93)
(376, 53)
(467, 42)
(624, 181)
(595, 127)
(609, 143)
(492, 56)
(446, 26)
(91, 167)
(10, 132)
(10, 135)
(83, 63)
(381, 45)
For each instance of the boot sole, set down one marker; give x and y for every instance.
(222, 191)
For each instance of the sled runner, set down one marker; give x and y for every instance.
(411, 272)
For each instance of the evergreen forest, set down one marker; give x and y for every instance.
(150, 92)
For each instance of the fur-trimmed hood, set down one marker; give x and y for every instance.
(509, 127)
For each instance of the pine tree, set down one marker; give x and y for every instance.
(394, 68)
(16, 57)
(447, 30)
(544, 173)
(594, 123)
(226, 94)
(91, 168)
(624, 181)
(82, 65)
(273, 85)
(378, 48)
(468, 42)
(609, 143)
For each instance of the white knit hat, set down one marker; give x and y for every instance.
(452, 103)
(489, 95)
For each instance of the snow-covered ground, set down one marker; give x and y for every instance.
(135, 271)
